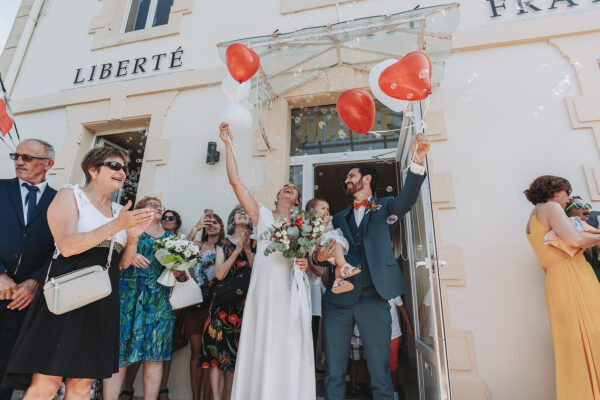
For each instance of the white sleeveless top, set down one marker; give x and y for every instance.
(91, 218)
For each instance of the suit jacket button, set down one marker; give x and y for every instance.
(24, 235)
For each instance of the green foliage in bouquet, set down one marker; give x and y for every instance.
(296, 236)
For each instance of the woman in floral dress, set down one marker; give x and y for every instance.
(146, 315)
(224, 324)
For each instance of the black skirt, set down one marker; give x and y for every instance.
(83, 343)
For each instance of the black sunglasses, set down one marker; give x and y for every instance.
(25, 157)
(168, 218)
(114, 165)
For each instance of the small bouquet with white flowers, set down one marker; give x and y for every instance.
(174, 253)
(295, 237)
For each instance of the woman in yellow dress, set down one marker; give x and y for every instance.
(572, 291)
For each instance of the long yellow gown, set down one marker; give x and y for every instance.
(573, 301)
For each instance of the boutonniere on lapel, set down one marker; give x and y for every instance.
(372, 207)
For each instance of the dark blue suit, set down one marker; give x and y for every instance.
(381, 279)
(25, 251)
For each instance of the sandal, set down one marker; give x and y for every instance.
(351, 271)
(126, 393)
(163, 391)
(341, 286)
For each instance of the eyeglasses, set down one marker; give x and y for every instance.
(156, 207)
(114, 165)
(578, 205)
(168, 218)
(25, 157)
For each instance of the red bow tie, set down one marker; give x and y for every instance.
(359, 204)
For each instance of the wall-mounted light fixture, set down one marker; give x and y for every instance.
(212, 155)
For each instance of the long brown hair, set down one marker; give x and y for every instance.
(204, 236)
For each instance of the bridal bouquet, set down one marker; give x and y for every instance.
(295, 236)
(175, 253)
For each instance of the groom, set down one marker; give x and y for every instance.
(365, 226)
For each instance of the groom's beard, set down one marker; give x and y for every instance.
(354, 188)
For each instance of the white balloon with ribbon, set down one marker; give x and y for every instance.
(393, 104)
(237, 116)
(234, 91)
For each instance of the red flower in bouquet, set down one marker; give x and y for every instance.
(298, 222)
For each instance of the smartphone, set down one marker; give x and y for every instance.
(208, 212)
(593, 220)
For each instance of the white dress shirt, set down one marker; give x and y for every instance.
(41, 186)
(360, 213)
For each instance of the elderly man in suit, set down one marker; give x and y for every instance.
(365, 226)
(26, 241)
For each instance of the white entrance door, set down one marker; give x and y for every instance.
(430, 343)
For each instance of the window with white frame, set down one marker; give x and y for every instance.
(143, 14)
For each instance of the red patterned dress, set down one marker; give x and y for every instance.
(224, 324)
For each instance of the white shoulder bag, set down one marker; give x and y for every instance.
(185, 294)
(78, 288)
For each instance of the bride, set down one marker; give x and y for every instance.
(272, 361)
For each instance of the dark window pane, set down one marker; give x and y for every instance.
(319, 130)
(137, 15)
(163, 9)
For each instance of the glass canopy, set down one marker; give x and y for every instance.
(289, 60)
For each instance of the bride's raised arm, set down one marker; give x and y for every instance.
(241, 191)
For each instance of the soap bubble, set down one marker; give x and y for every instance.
(424, 73)
(562, 86)
(297, 72)
(297, 119)
(543, 67)
(389, 189)
(316, 187)
(321, 125)
(409, 96)
(393, 86)
(316, 108)
(392, 219)
(473, 78)
(342, 134)
(354, 42)
(139, 151)
(321, 173)
(469, 95)
(539, 110)
(139, 161)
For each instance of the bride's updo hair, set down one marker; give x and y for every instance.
(544, 187)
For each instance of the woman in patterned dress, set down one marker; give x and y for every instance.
(224, 324)
(213, 233)
(146, 315)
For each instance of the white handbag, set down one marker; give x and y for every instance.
(76, 289)
(185, 294)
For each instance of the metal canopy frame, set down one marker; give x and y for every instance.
(291, 59)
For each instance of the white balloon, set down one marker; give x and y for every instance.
(235, 91)
(237, 116)
(393, 104)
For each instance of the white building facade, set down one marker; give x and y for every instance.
(520, 98)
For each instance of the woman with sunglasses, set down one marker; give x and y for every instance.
(577, 207)
(171, 221)
(572, 290)
(82, 344)
(146, 315)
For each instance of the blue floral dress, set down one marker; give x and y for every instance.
(146, 315)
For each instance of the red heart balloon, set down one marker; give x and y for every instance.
(409, 78)
(356, 109)
(242, 62)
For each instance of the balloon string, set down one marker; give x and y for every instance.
(422, 122)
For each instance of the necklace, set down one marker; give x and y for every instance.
(106, 206)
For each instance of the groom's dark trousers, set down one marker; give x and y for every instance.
(381, 279)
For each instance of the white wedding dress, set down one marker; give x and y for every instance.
(272, 361)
